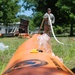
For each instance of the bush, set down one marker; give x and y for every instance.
(66, 30)
(58, 29)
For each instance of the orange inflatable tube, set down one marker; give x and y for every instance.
(31, 60)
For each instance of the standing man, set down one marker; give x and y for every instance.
(46, 22)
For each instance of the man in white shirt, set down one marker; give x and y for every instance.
(46, 22)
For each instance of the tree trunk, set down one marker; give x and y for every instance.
(6, 30)
(71, 30)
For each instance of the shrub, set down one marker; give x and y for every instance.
(58, 29)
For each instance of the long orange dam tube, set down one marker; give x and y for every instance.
(31, 60)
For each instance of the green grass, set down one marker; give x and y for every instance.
(66, 52)
(5, 56)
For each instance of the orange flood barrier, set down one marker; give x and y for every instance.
(30, 59)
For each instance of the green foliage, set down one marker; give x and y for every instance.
(58, 29)
(35, 20)
(23, 16)
(30, 4)
(66, 30)
(38, 19)
(64, 10)
(8, 11)
(39, 7)
(74, 29)
(67, 7)
(72, 16)
(31, 25)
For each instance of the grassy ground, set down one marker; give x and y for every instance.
(66, 52)
(5, 56)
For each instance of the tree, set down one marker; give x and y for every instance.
(23, 16)
(39, 7)
(63, 10)
(67, 9)
(8, 11)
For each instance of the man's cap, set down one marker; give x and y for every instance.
(49, 9)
